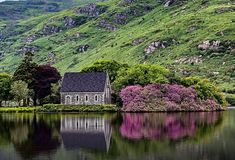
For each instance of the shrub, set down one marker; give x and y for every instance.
(141, 74)
(110, 66)
(205, 89)
(230, 99)
(164, 97)
(71, 108)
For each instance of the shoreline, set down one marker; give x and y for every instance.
(87, 109)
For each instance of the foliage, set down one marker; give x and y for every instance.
(142, 74)
(19, 109)
(179, 25)
(65, 108)
(25, 70)
(230, 98)
(54, 97)
(164, 97)
(110, 66)
(20, 91)
(205, 89)
(5, 87)
(44, 77)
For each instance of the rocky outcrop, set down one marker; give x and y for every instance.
(51, 58)
(30, 39)
(26, 49)
(138, 41)
(82, 48)
(126, 2)
(51, 29)
(190, 60)
(69, 22)
(91, 10)
(217, 46)
(224, 10)
(107, 25)
(168, 3)
(157, 45)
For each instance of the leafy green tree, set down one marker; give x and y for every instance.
(142, 74)
(54, 97)
(25, 73)
(19, 90)
(5, 87)
(26, 70)
(110, 66)
(205, 89)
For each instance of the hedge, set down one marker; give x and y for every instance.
(60, 108)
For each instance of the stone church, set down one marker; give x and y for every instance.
(85, 89)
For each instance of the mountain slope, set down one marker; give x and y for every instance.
(193, 38)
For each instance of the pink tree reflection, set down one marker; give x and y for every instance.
(164, 126)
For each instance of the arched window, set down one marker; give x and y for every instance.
(96, 98)
(86, 98)
(67, 99)
(77, 99)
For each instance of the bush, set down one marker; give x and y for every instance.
(110, 66)
(205, 89)
(141, 74)
(165, 97)
(230, 98)
(71, 108)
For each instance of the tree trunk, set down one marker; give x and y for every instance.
(28, 100)
(35, 101)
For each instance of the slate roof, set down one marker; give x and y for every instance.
(84, 82)
(94, 141)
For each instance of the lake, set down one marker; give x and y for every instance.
(164, 136)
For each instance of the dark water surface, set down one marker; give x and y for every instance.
(180, 136)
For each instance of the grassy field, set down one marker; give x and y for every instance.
(182, 26)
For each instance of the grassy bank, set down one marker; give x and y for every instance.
(60, 108)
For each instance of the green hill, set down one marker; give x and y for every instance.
(190, 37)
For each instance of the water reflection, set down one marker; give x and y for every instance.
(86, 132)
(109, 136)
(166, 126)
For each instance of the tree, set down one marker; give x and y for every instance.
(20, 90)
(205, 89)
(44, 77)
(5, 87)
(110, 66)
(141, 74)
(26, 70)
(54, 97)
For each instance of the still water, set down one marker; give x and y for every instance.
(180, 136)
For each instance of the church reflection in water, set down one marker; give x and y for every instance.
(86, 133)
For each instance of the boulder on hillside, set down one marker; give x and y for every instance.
(217, 46)
(107, 25)
(157, 45)
(91, 10)
(82, 48)
(51, 29)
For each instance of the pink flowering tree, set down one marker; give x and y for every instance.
(164, 97)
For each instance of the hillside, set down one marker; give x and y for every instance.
(190, 37)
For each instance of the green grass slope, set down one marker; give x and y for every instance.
(190, 37)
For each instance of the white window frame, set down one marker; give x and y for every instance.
(96, 98)
(86, 98)
(70, 100)
(77, 99)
